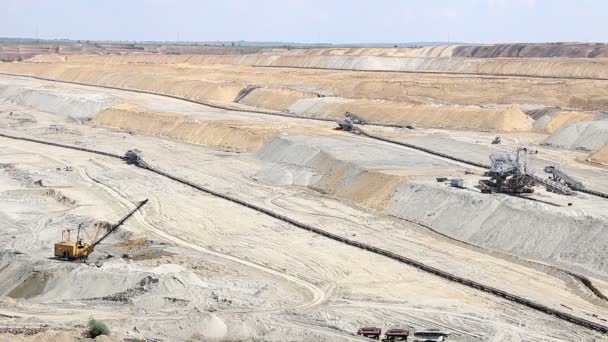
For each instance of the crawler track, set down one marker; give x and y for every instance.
(417, 264)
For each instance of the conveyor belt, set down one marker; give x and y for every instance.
(370, 248)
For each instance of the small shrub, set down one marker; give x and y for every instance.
(97, 328)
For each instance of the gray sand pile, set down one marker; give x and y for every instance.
(586, 136)
(572, 238)
(569, 238)
(75, 104)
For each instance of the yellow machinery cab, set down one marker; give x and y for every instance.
(70, 249)
(77, 249)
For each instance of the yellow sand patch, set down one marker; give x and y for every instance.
(226, 134)
(234, 135)
(207, 78)
(274, 98)
(369, 189)
(500, 119)
(567, 118)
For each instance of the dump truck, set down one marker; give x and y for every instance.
(430, 335)
(396, 335)
(370, 332)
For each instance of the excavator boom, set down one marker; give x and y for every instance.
(73, 250)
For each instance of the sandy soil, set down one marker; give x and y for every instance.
(11, 51)
(232, 135)
(225, 82)
(212, 270)
(600, 156)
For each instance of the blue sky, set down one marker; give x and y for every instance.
(309, 21)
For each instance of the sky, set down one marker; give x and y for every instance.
(308, 21)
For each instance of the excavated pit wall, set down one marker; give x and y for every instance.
(498, 119)
(226, 134)
(277, 99)
(600, 156)
(167, 81)
(394, 97)
(541, 67)
(568, 238)
(225, 82)
(550, 120)
(545, 50)
(565, 237)
(587, 136)
(380, 191)
(75, 104)
(234, 135)
(292, 163)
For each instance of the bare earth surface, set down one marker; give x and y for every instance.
(190, 266)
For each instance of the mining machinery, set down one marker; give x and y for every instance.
(370, 332)
(430, 335)
(348, 124)
(135, 157)
(394, 335)
(345, 125)
(78, 249)
(558, 175)
(509, 173)
(512, 173)
(356, 119)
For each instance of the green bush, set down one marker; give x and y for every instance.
(97, 328)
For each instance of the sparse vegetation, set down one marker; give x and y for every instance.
(97, 328)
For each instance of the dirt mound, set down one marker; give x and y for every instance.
(505, 224)
(300, 164)
(500, 119)
(600, 156)
(563, 67)
(224, 83)
(586, 136)
(430, 51)
(503, 66)
(166, 81)
(79, 105)
(569, 50)
(226, 134)
(274, 98)
(554, 121)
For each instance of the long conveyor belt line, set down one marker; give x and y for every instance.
(217, 106)
(451, 157)
(444, 73)
(370, 248)
(424, 149)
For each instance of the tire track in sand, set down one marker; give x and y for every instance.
(318, 295)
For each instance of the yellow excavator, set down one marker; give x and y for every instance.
(77, 249)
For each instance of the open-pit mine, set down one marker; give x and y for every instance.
(466, 192)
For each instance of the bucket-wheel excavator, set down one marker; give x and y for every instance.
(78, 249)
